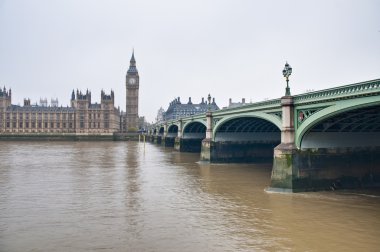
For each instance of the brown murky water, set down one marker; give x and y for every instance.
(119, 196)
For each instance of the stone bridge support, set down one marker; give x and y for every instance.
(207, 143)
(285, 167)
(168, 141)
(177, 140)
(157, 139)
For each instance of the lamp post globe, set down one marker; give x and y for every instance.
(287, 71)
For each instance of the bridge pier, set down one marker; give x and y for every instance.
(151, 138)
(207, 145)
(188, 144)
(177, 140)
(168, 141)
(285, 166)
(157, 139)
(177, 143)
(207, 150)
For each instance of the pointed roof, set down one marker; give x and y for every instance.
(133, 56)
(132, 66)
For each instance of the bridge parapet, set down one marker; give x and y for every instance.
(264, 105)
(355, 90)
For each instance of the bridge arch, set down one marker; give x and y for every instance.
(194, 129)
(173, 128)
(161, 130)
(261, 122)
(172, 131)
(246, 138)
(192, 135)
(342, 125)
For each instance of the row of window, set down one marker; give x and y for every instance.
(39, 125)
(39, 116)
(178, 115)
(193, 111)
(38, 120)
(58, 116)
(90, 116)
(94, 125)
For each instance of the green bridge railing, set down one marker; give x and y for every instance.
(358, 89)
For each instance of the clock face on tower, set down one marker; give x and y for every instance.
(132, 81)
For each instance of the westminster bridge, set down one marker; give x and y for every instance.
(317, 140)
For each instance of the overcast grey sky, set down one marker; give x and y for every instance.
(229, 48)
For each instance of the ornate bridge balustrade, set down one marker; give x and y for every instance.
(327, 139)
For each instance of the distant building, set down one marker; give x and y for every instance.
(178, 110)
(236, 104)
(82, 117)
(160, 115)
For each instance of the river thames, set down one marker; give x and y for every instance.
(122, 196)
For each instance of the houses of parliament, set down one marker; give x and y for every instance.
(82, 117)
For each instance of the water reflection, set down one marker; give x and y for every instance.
(120, 196)
(133, 200)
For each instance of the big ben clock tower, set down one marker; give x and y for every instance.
(132, 98)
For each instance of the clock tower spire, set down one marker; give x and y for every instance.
(132, 66)
(132, 96)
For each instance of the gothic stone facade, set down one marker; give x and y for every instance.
(81, 118)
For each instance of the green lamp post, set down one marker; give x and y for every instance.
(287, 72)
(209, 102)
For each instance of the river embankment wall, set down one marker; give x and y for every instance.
(71, 137)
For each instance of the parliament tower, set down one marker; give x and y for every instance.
(132, 97)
